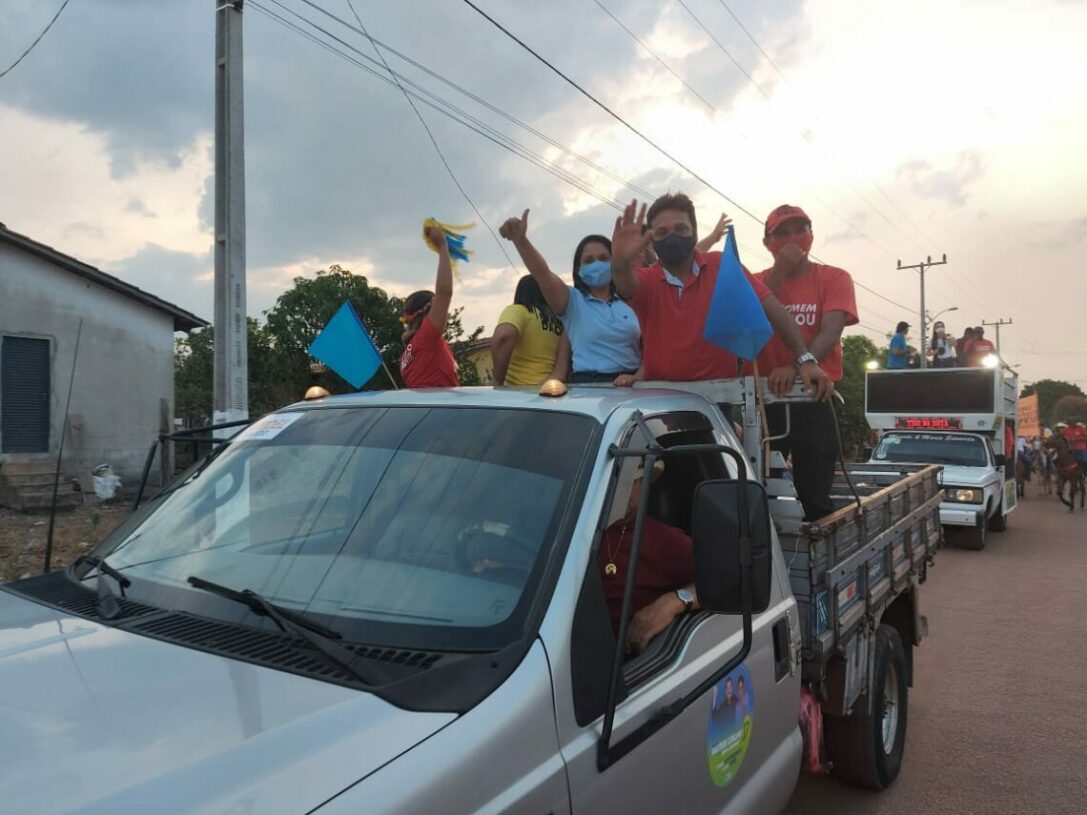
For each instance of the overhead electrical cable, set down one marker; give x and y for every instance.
(638, 132)
(443, 107)
(37, 39)
(433, 140)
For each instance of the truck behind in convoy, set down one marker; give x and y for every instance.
(963, 419)
(392, 602)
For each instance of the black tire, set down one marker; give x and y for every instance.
(999, 521)
(975, 538)
(855, 743)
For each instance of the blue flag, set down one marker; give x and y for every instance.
(735, 320)
(345, 346)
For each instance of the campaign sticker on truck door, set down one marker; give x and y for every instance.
(732, 716)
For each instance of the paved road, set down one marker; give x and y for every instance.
(998, 711)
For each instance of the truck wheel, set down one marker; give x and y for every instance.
(866, 748)
(975, 538)
(999, 521)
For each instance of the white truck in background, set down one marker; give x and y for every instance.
(963, 419)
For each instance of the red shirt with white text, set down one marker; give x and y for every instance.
(427, 361)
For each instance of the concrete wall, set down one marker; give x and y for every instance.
(125, 364)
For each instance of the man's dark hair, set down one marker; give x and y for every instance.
(902, 327)
(677, 201)
(580, 284)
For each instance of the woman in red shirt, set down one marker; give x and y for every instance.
(427, 361)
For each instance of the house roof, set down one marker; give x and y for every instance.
(183, 320)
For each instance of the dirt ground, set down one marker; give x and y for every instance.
(23, 536)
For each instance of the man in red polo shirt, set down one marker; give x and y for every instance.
(672, 298)
(821, 301)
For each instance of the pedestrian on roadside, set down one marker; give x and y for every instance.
(525, 343)
(672, 298)
(427, 361)
(898, 353)
(602, 341)
(822, 302)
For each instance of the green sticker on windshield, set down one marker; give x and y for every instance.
(732, 717)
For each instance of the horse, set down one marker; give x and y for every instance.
(1068, 472)
(1022, 475)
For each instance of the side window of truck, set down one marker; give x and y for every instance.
(671, 498)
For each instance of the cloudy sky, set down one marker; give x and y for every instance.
(904, 129)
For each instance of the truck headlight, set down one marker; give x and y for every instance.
(962, 496)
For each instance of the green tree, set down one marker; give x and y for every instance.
(1050, 392)
(193, 371)
(856, 352)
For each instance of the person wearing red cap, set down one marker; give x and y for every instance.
(822, 302)
(672, 298)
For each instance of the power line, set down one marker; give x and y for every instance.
(37, 39)
(566, 78)
(433, 140)
(449, 110)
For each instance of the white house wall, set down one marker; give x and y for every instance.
(125, 362)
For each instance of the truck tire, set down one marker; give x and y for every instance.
(999, 521)
(975, 538)
(866, 748)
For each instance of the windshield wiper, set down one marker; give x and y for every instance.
(291, 622)
(108, 607)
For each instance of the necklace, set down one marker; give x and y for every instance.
(610, 568)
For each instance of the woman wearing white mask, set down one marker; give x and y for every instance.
(942, 348)
(601, 330)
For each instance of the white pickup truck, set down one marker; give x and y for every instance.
(397, 603)
(962, 419)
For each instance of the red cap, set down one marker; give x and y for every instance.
(786, 212)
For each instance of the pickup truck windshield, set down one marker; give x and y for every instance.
(932, 448)
(408, 527)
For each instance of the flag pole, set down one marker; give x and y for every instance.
(390, 375)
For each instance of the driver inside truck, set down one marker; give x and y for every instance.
(664, 579)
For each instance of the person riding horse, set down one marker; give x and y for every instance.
(1068, 471)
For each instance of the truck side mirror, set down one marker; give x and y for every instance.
(999, 460)
(715, 534)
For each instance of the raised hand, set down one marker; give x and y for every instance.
(627, 241)
(515, 229)
(437, 239)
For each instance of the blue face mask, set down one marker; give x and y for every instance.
(596, 274)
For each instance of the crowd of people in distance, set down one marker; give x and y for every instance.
(942, 349)
(634, 309)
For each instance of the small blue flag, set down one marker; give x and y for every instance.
(736, 320)
(345, 346)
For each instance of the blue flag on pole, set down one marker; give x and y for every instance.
(345, 346)
(735, 320)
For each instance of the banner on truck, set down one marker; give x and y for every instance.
(1029, 422)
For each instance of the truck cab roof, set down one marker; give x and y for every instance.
(593, 401)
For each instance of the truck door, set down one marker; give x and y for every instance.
(736, 747)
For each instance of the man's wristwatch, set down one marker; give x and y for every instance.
(805, 358)
(686, 596)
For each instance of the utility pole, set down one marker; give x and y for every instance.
(1001, 321)
(231, 388)
(921, 267)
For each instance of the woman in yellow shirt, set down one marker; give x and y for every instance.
(526, 339)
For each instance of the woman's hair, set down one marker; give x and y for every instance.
(580, 284)
(416, 306)
(933, 342)
(528, 294)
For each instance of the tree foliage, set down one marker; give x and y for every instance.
(279, 365)
(856, 351)
(1050, 393)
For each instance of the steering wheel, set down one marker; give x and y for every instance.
(492, 549)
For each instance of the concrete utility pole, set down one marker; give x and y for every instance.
(231, 402)
(1001, 321)
(925, 264)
